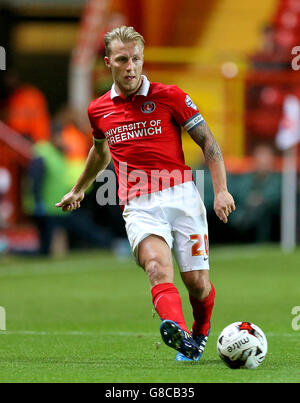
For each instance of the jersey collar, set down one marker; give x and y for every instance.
(144, 89)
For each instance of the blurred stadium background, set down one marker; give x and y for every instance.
(234, 59)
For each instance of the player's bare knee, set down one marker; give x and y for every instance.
(157, 272)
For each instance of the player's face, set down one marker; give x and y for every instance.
(126, 64)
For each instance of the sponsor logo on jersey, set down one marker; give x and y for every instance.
(148, 107)
(190, 103)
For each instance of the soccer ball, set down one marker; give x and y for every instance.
(242, 345)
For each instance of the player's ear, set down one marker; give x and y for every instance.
(107, 62)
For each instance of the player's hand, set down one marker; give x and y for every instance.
(71, 201)
(224, 205)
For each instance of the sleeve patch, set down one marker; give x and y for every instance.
(190, 103)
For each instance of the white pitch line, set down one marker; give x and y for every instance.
(75, 333)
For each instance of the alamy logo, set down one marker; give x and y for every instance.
(2, 318)
(132, 183)
(2, 58)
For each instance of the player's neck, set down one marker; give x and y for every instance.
(126, 94)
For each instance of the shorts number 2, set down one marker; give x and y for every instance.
(196, 248)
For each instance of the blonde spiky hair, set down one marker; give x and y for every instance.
(124, 34)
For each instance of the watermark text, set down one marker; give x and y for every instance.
(296, 59)
(136, 182)
(296, 319)
(2, 319)
(2, 58)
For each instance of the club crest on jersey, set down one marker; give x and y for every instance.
(148, 107)
(190, 103)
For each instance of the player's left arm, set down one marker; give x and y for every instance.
(223, 203)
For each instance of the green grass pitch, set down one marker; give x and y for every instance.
(88, 318)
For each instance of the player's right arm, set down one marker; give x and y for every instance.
(186, 114)
(97, 160)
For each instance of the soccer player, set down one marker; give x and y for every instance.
(138, 123)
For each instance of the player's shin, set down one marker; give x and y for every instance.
(202, 312)
(167, 302)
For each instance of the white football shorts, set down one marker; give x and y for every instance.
(176, 214)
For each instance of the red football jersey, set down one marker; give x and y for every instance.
(144, 136)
